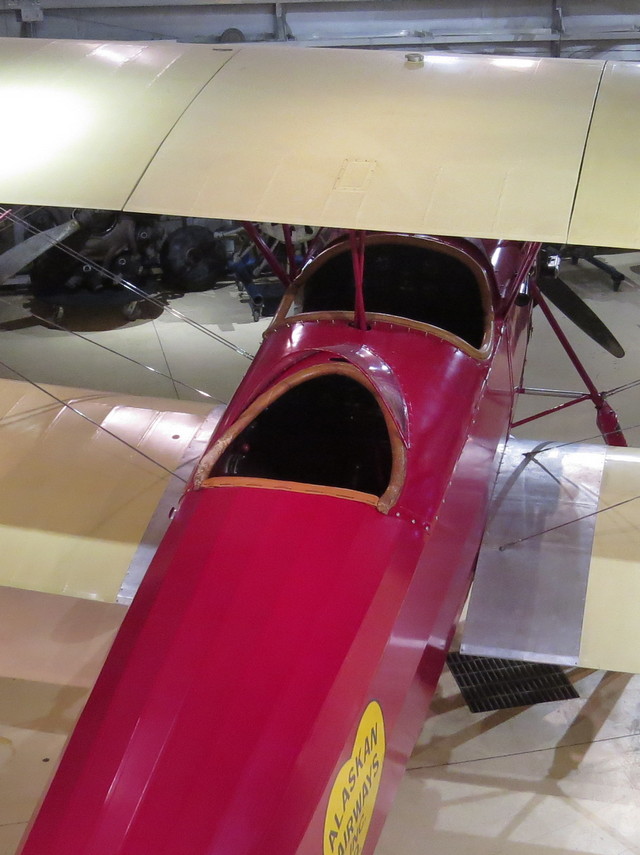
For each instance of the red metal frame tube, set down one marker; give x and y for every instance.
(594, 394)
(551, 410)
(291, 252)
(260, 244)
(356, 239)
(606, 418)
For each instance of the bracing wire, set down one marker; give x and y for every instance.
(8, 215)
(568, 522)
(87, 418)
(139, 292)
(112, 350)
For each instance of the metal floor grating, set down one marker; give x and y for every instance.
(497, 684)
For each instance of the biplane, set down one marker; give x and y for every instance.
(273, 669)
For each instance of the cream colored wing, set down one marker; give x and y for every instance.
(610, 629)
(607, 211)
(76, 503)
(457, 145)
(558, 576)
(82, 120)
(473, 145)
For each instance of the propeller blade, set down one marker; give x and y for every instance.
(568, 302)
(13, 260)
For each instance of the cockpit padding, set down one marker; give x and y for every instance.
(406, 281)
(328, 430)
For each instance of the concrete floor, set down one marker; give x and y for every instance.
(558, 779)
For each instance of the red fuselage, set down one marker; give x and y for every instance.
(271, 676)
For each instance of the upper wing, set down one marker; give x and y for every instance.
(76, 503)
(87, 118)
(557, 577)
(492, 147)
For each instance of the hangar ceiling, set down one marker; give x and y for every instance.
(549, 27)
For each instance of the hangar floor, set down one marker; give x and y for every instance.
(559, 778)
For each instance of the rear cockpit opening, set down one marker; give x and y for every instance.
(404, 279)
(328, 430)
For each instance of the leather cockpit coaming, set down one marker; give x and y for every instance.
(410, 281)
(324, 426)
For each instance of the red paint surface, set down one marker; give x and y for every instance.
(269, 619)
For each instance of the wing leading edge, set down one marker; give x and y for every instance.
(343, 138)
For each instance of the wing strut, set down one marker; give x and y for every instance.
(606, 418)
(356, 239)
(267, 254)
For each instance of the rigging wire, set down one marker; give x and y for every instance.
(568, 522)
(92, 421)
(9, 215)
(5, 219)
(58, 326)
(119, 280)
(623, 388)
(552, 446)
(532, 455)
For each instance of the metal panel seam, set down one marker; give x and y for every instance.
(232, 52)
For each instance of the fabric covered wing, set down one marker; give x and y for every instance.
(607, 211)
(458, 145)
(75, 503)
(82, 120)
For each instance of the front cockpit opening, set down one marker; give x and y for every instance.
(405, 280)
(328, 430)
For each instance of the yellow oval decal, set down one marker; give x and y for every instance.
(353, 795)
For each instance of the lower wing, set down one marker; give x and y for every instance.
(87, 485)
(557, 578)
